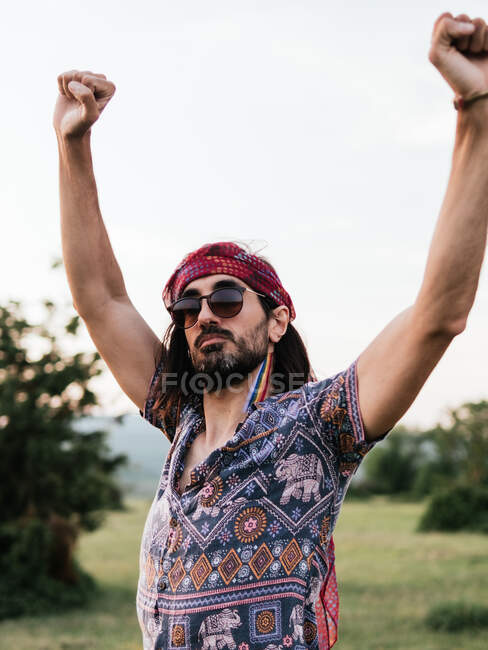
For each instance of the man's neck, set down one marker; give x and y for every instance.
(225, 409)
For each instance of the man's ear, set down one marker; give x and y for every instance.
(278, 323)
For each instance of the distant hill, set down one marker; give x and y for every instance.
(145, 446)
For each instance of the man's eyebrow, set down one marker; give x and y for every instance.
(189, 293)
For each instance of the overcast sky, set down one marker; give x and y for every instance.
(319, 131)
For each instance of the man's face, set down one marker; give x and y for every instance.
(236, 345)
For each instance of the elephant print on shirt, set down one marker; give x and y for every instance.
(211, 511)
(216, 630)
(303, 476)
(315, 585)
(296, 621)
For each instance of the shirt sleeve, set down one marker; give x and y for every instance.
(333, 405)
(155, 416)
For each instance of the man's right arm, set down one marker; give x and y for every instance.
(125, 341)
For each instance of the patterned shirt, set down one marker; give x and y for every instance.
(242, 558)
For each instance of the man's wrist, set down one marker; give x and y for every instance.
(474, 117)
(74, 146)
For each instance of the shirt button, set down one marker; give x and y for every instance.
(161, 585)
(173, 522)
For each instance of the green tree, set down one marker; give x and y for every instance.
(392, 467)
(56, 481)
(458, 476)
(470, 424)
(461, 450)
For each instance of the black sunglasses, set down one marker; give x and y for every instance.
(224, 303)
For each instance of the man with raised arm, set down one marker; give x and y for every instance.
(237, 551)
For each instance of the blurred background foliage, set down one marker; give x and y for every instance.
(56, 481)
(447, 465)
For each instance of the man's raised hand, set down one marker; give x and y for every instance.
(459, 50)
(82, 97)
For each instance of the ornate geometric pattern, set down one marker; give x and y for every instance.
(250, 524)
(211, 492)
(229, 566)
(175, 535)
(200, 571)
(309, 559)
(265, 622)
(244, 558)
(179, 633)
(261, 560)
(291, 556)
(150, 571)
(324, 530)
(309, 631)
(176, 574)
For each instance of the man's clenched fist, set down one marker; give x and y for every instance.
(459, 50)
(82, 97)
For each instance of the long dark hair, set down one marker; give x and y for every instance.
(291, 366)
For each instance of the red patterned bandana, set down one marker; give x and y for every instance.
(231, 259)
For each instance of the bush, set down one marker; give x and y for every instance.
(393, 466)
(457, 616)
(359, 490)
(462, 507)
(26, 587)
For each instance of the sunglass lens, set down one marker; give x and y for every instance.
(226, 302)
(185, 312)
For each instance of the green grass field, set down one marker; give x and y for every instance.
(388, 577)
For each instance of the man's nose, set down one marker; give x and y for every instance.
(206, 314)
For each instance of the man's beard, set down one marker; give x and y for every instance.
(221, 369)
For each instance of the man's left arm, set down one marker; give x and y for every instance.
(394, 367)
